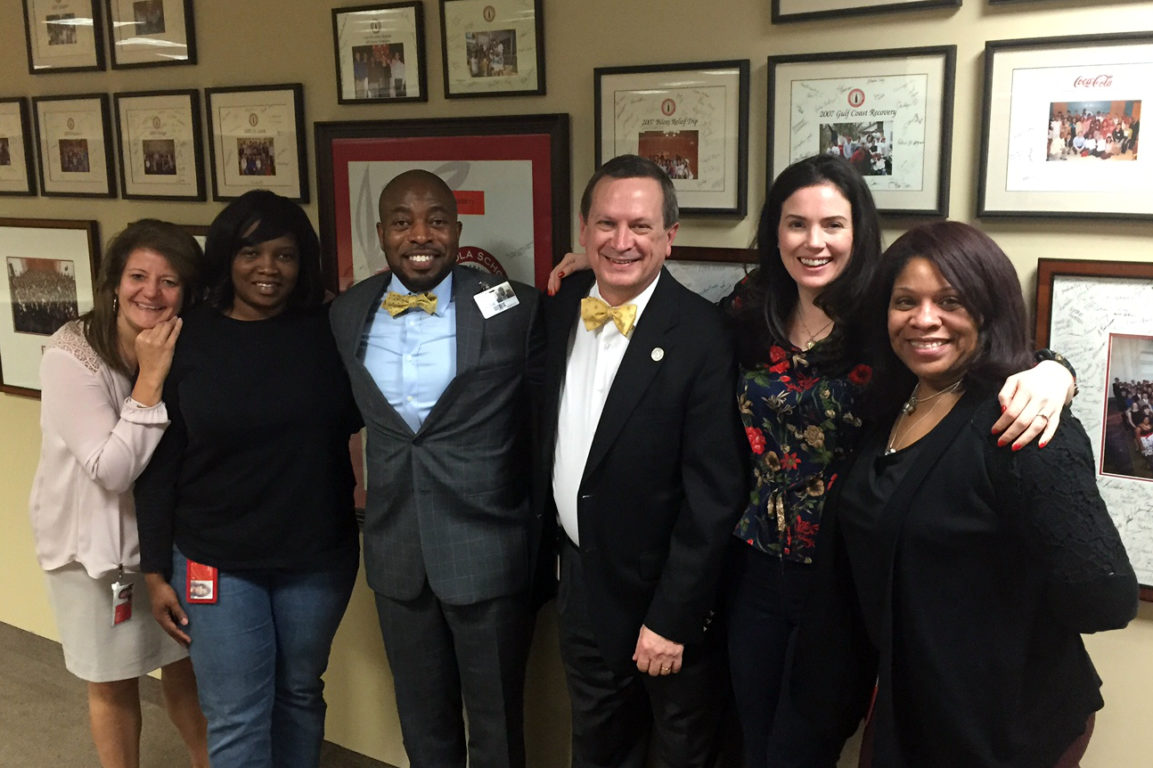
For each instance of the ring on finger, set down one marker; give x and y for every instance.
(1043, 417)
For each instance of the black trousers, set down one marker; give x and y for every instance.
(445, 655)
(617, 717)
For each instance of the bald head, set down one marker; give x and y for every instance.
(418, 178)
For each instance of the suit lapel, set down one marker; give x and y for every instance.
(466, 283)
(638, 367)
(354, 340)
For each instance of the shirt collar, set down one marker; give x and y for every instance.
(641, 300)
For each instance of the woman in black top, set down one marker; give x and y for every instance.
(246, 514)
(956, 575)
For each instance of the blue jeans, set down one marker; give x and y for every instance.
(259, 652)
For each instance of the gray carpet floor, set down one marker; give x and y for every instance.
(44, 714)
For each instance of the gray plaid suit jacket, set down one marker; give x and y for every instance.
(450, 503)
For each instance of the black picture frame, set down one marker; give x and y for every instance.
(273, 113)
(387, 24)
(75, 170)
(862, 88)
(64, 45)
(169, 121)
(168, 39)
(784, 12)
(504, 21)
(17, 160)
(666, 95)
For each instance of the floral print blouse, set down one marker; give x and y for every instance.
(798, 423)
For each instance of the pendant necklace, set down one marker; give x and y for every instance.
(913, 401)
(812, 336)
(910, 406)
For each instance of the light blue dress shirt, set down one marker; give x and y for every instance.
(412, 357)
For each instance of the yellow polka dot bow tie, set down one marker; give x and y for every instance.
(395, 303)
(596, 313)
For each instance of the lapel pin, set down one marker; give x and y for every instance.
(658, 354)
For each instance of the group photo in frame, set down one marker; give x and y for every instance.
(492, 47)
(16, 152)
(379, 53)
(888, 112)
(691, 119)
(809, 10)
(161, 156)
(47, 279)
(256, 140)
(509, 174)
(151, 33)
(1114, 370)
(63, 36)
(75, 145)
(1060, 127)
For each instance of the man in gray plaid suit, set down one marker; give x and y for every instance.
(438, 366)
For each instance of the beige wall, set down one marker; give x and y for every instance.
(273, 41)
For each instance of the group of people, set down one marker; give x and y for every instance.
(665, 466)
(378, 71)
(675, 166)
(486, 56)
(864, 146)
(1135, 401)
(1099, 135)
(256, 157)
(42, 299)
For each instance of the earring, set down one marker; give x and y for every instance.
(115, 304)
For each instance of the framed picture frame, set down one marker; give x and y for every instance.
(47, 279)
(1072, 297)
(151, 33)
(1060, 127)
(75, 145)
(492, 47)
(889, 112)
(510, 176)
(809, 10)
(257, 140)
(380, 53)
(63, 36)
(16, 152)
(161, 154)
(692, 119)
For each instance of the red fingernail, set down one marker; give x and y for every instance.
(1001, 442)
(560, 274)
(1017, 448)
(1042, 445)
(1004, 408)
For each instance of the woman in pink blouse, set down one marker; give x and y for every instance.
(101, 416)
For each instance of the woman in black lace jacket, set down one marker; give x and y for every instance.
(956, 575)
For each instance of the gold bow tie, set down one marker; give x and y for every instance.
(596, 313)
(395, 303)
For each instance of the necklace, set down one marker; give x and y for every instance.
(913, 401)
(812, 336)
(895, 435)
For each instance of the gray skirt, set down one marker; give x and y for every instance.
(94, 649)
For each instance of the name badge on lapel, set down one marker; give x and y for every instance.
(496, 300)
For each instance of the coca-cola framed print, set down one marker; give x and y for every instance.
(1060, 134)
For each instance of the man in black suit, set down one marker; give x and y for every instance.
(642, 463)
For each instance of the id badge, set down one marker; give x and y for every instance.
(121, 599)
(496, 300)
(201, 582)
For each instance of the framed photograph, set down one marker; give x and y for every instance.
(1060, 127)
(257, 140)
(807, 10)
(379, 53)
(16, 174)
(888, 112)
(75, 145)
(691, 119)
(161, 156)
(492, 47)
(63, 36)
(1115, 398)
(151, 33)
(47, 279)
(510, 175)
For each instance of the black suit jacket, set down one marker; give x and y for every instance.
(665, 478)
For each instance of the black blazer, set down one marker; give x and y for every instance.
(665, 477)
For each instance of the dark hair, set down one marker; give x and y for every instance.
(770, 295)
(253, 218)
(635, 167)
(170, 241)
(987, 286)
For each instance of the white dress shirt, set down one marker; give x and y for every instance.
(593, 360)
